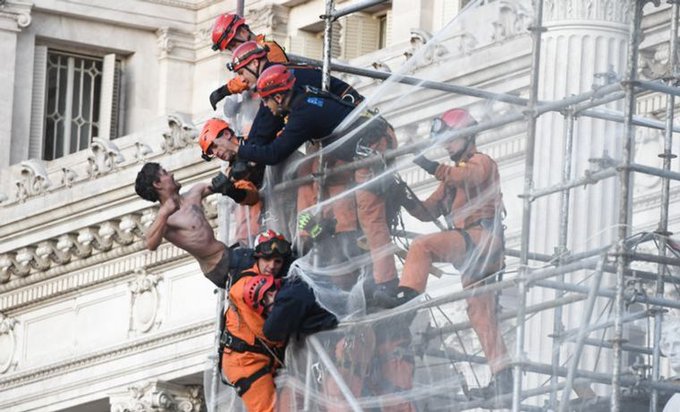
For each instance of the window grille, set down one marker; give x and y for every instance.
(80, 102)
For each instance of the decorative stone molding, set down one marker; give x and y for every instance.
(7, 343)
(181, 134)
(513, 20)
(654, 62)
(105, 157)
(158, 396)
(615, 11)
(165, 44)
(145, 301)
(124, 349)
(176, 44)
(141, 151)
(422, 50)
(18, 11)
(33, 181)
(68, 176)
(59, 251)
(271, 19)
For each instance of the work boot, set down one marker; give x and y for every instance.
(391, 298)
(500, 384)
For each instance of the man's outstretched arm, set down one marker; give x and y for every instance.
(154, 234)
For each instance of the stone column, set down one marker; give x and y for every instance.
(14, 16)
(584, 38)
(158, 396)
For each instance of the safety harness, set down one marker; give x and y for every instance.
(236, 344)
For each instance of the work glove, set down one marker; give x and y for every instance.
(430, 166)
(222, 184)
(315, 225)
(239, 169)
(237, 85)
(217, 95)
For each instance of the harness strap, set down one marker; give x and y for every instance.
(227, 340)
(242, 385)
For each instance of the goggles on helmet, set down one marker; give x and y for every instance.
(273, 247)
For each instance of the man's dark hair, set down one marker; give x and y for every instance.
(145, 180)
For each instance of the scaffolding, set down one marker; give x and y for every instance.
(561, 376)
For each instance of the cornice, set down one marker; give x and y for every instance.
(188, 5)
(106, 355)
(58, 263)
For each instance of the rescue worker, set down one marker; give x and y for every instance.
(469, 196)
(241, 182)
(249, 61)
(229, 31)
(249, 359)
(177, 221)
(313, 115)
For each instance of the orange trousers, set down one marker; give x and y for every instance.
(450, 246)
(261, 397)
(353, 358)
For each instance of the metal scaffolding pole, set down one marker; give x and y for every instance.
(327, 45)
(582, 334)
(625, 200)
(562, 246)
(330, 366)
(536, 31)
(667, 155)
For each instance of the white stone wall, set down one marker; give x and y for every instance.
(85, 312)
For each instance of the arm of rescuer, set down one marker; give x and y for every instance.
(234, 86)
(305, 122)
(156, 231)
(243, 192)
(296, 312)
(471, 173)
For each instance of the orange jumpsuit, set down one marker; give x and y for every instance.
(372, 217)
(245, 325)
(469, 195)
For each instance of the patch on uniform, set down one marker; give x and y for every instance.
(316, 101)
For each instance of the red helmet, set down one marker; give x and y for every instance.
(450, 120)
(270, 243)
(212, 129)
(275, 79)
(245, 53)
(256, 289)
(224, 30)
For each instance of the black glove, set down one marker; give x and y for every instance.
(217, 95)
(430, 166)
(222, 184)
(240, 169)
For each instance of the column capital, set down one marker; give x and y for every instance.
(15, 15)
(614, 11)
(158, 396)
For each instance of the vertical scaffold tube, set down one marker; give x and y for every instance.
(625, 200)
(536, 28)
(665, 196)
(562, 247)
(327, 45)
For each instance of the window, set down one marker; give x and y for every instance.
(75, 99)
(382, 28)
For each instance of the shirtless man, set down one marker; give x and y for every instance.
(181, 220)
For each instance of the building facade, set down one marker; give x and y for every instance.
(90, 320)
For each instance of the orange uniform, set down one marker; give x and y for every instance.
(470, 197)
(249, 360)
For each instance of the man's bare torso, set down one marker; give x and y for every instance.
(189, 229)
